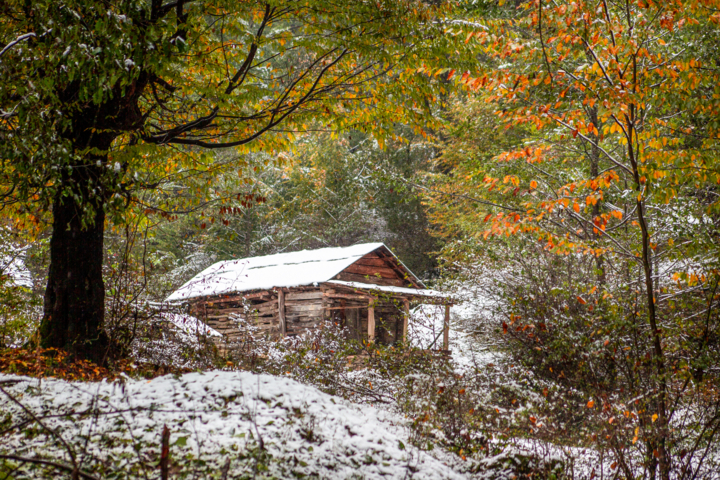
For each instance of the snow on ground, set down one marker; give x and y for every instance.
(425, 329)
(215, 417)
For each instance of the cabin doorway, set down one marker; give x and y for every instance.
(388, 323)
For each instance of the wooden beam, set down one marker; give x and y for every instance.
(369, 279)
(371, 321)
(348, 296)
(446, 328)
(406, 318)
(281, 311)
(223, 298)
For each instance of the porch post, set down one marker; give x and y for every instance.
(371, 321)
(446, 328)
(281, 311)
(406, 318)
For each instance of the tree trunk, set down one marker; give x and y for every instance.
(75, 294)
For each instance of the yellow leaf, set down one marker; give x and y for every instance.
(654, 417)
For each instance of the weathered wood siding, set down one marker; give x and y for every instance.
(305, 309)
(377, 269)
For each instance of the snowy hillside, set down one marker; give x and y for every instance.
(226, 423)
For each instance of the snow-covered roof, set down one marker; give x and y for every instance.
(293, 269)
(389, 289)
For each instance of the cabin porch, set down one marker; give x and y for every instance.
(370, 313)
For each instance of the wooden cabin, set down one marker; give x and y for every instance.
(365, 288)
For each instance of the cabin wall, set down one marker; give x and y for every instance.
(378, 270)
(238, 317)
(232, 315)
(304, 310)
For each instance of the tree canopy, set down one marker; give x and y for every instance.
(105, 100)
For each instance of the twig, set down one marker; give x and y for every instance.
(60, 466)
(45, 427)
(15, 42)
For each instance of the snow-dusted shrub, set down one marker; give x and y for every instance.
(473, 410)
(20, 308)
(580, 334)
(171, 341)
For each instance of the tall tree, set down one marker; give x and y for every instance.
(101, 99)
(611, 110)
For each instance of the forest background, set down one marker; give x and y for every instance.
(555, 162)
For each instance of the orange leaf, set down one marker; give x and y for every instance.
(581, 300)
(576, 207)
(590, 404)
(533, 184)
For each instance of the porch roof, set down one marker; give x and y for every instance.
(402, 291)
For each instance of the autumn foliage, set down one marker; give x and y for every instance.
(588, 176)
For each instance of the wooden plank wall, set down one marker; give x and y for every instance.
(305, 309)
(377, 270)
(223, 313)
